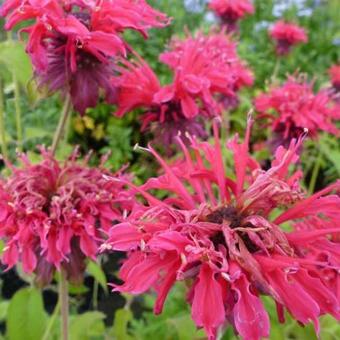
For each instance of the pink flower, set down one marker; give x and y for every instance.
(235, 234)
(287, 35)
(73, 44)
(334, 74)
(206, 70)
(54, 215)
(214, 59)
(231, 11)
(296, 107)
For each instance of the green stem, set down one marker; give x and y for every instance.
(95, 294)
(18, 112)
(62, 122)
(3, 141)
(315, 173)
(276, 69)
(47, 334)
(63, 298)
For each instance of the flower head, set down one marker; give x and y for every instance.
(334, 74)
(287, 35)
(231, 11)
(54, 215)
(205, 69)
(296, 107)
(73, 44)
(235, 235)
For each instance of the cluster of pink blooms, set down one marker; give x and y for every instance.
(207, 74)
(296, 107)
(234, 234)
(73, 43)
(286, 36)
(231, 11)
(55, 215)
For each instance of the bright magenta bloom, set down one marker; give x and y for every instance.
(231, 11)
(296, 107)
(234, 234)
(334, 74)
(54, 215)
(73, 43)
(287, 35)
(206, 70)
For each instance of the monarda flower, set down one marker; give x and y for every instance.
(231, 11)
(54, 215)
(234, 235)
(73, 44)
(205, 69)
(221, 50)
(286, 36)
(294, 106)
(334, 74)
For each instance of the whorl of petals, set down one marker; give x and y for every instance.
(235, 234)
(55, 214)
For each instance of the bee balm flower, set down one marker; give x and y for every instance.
(73, 44)
(205, 70)
(231, 11)
(233, 234)
(297, 107)
(334, 74)
(287, 35)
(54, 215)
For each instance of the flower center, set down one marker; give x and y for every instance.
(231, 215)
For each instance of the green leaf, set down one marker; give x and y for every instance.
(332, 153)
(35, 132)
(185, 327)
(14, 57)
(120, 326)
(87, 325)
(26, 318)
(96, 271)
(2, 246)
(3, 310)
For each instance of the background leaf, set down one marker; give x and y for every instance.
(26, 318)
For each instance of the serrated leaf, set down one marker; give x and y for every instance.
(87, 325)
(26, 317)
(96, 271)
(120, 326)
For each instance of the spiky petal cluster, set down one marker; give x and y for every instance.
(296, 107)
(204, 68)
(72, 44)
(218, 53)
(286, 36)
(231, 11)
(235, 235)
(54, 215)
